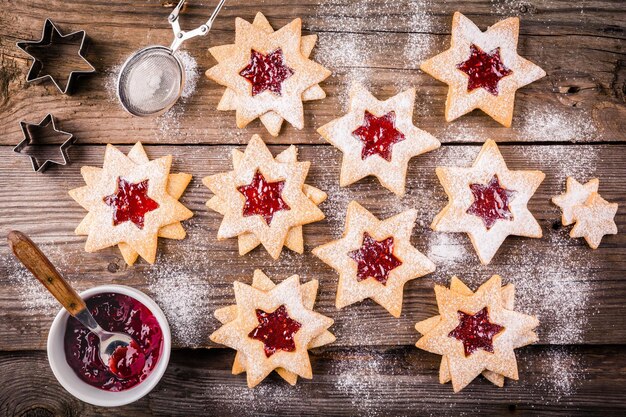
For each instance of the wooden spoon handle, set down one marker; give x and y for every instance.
(31, 256)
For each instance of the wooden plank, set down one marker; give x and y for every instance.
(402, 381)
(582, 99)
(578, 293)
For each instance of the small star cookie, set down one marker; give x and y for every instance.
(574, 195)
(267, 74)
(593, 215)
(476, 332)
(375, 258)
(488, 201)
(272, 327)
(482, 69)
(131, 202)
(263, 197)
(378, 138)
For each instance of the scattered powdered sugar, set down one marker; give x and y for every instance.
(448, 248)
(581, 165)
(357, 377)
(184, 298)
(510, 7)
(557, 125)
(350, 44)
(563, 370)
(265, 399)
(420, 42)
(30, 292)
(192, 73)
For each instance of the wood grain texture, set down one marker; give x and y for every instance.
(372, 368)
(582, 52)
(554, 265)
(399, 381)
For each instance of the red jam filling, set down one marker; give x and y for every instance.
(130, 202)
(378, 135)
(476, 331)
(263, 198)
(275, 330)
(116, 313)
(491, 202)
(485, 69)
(375, 259)
(266, 72)
(127, 361)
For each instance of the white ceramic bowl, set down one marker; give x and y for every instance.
(96, 396)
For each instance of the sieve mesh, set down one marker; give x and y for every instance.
(151, 81)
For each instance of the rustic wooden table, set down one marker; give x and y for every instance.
(571, 122)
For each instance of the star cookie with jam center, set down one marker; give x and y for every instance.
(374, 258)
(583, 205)
(294, 239)
(476, 333)
(269, 211)
(482, 69)
(272, 327)
(378, 138)
(131, 201)
(488, 201)
(176, 185)
(267, 74)
(261, 282)
(271, 120)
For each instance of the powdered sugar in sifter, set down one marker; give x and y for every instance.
(152, 79)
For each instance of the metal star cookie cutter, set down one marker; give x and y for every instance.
(39, 139)
(52, 37)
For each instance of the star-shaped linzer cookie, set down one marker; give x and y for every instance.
(593, 215)
(476, 333)
(131, 202)
(375, 258)
(57, 57)
(488, 201)
(44, 144)
(482, 69)
(273, 214)
(378, 138)
(268, 74)
(272, 327)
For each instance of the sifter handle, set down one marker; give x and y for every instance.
(180, 35)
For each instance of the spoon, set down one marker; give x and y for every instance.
(116, 349)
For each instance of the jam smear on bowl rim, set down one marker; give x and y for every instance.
(119, 313)
(276, 330)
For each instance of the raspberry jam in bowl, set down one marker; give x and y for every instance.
(134, 370)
